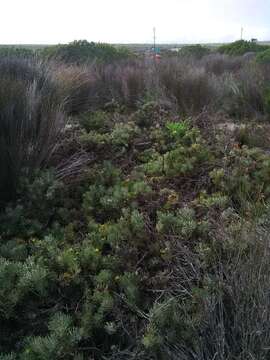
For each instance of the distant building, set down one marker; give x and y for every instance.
(254, 40)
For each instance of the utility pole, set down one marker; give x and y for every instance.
(242, 30)
(154, 33)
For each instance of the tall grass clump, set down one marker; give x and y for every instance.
(242, 93)
(218, 64)
(78, 86)
(216, 82)
(190, 86)
(31, 118)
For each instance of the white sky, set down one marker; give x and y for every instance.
(127, 21)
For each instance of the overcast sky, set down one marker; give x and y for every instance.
(132, 21)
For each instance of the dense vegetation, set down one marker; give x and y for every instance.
(134, 212)
(82, 51)
(263, 57)
(13, 51)
(76, 52)
(241, 47)
(194, 51)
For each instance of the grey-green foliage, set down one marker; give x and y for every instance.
(182, 223)
(59, 344)
(8, 356)
(18, 279)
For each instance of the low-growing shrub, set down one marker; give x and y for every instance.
(94, 121)
(181, 224)
(182, 151)
(152, 113)
(123, 133)
(245, 177)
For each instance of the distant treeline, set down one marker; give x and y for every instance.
(237, 48)
(78, 52)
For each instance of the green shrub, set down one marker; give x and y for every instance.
(95, 121)
(266, 100)
(81, 51)
(246, 176)
(182, 160)
(177, 129)
(16, 52)
(241, 47)
(171, 322)
(39, 195)
(8, 357)
(123, 134)
(60, 342)
(182, 224)
(95, 140)
(101, 200)
(18, 281)
(194, 51)
(215, 200)
(129, 284)
(263, 57)
(150, 113)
